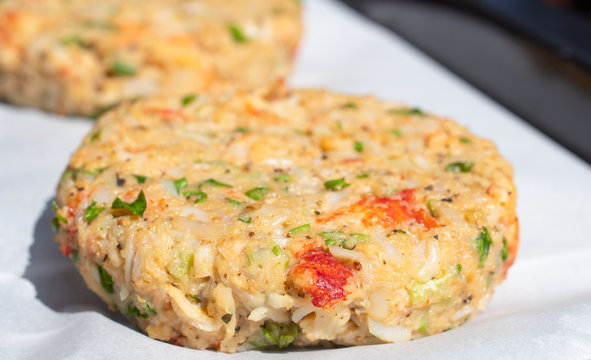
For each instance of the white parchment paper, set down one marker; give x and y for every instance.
(542, 311)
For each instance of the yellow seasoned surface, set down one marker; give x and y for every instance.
(80, 57)
(280, 217)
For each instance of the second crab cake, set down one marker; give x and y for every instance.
(272, 218)
(80, 57)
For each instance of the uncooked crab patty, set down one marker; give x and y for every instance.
(79, 57)
(280, 217)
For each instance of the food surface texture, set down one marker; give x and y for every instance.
(277, 217)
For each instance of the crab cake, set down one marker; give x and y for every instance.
(81, 57)
(279, 217)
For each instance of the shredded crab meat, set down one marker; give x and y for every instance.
(191, 311)
(392, 253)
(396, 333)
(432, 264)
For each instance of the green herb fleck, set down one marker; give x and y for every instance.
(412, 111)
(358, 146)
(465, 140)
(483, 243)
(140, 178)
(92, 211)
(348, 241)
(505, 250)
(302, 228)
(237, 34)
(283, 178)
(459, 268)
(75, 255)
(134, 311)
(180, 184)
(276, 250)
(120, 68)
(194, 298)
(279, 335)
(339, 125)
(95, 136)
(95, 172)
(351, 105)
(431, 208)
(105, 279)
(181, 264)
(137, 207)
(332, 237)
(354, 239)
(235, 202)
(75, 40)
(460, 166)
(102, 110)
(214, 182)
(187, 100)
(257, 193)
(57, 219)
(400, 231)
(362, 176)
(242, 130)
(337, 184)
(245, 220)
(396, 133)
(200, 196)
(149, 309)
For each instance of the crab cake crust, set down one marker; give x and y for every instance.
(279, 217)
(81, 57)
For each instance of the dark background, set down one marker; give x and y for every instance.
(531, 56)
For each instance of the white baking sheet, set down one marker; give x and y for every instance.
(543, 310)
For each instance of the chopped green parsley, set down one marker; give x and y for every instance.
(92, 211)
(200, 196)
(237, 34)
(396, 132)
(412, 111)
(482, 243)
(283, 178)
(187, 100)
(337, 184)
(505, 250)
(460, 166)
(105, 279)
(214, 182)
(358, 146)
(257, 193)
(180, 184)
(140, 178)
(137, 207)
(120, 68)
(57, 219)
(279, 335)
(302, 228)
(431, 208)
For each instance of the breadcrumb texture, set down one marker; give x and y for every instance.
(274, 218)
(81, 57)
